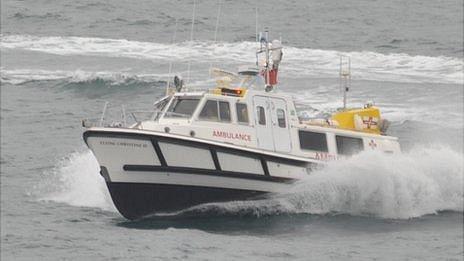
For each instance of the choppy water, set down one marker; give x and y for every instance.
(61, 60)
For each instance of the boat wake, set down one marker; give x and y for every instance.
(302, 62)
(423, 181)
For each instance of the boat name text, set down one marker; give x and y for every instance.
(123, 144)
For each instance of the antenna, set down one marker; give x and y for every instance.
(216, 31)
(191, 37)
(345, 76)
(217, 20)
(170, 62)
(256, 22)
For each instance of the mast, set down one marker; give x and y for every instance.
(345, 77)
(266, 68)
(264, 47)
(272, 58)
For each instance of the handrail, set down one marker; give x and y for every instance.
(154, 113)
(137, 116)
(123, 115)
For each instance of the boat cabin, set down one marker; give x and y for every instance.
(264, 120)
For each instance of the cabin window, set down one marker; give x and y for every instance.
(224, 111)
(242, 112)
(313, 141)
(215, 111)
(261, 115)
(281, 118)
(182, 107)
(210, 111)
(348, 145)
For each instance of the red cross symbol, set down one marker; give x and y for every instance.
(372, 144)
(370, 122)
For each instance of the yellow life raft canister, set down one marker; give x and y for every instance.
(362, 119)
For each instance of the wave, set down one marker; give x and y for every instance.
(298, 62)
(423, 181)
(21, 76)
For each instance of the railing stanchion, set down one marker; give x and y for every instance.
(103, 114)
(124, 115)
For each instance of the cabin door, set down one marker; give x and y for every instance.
(263, 122)
(280, 128)
(271, 122)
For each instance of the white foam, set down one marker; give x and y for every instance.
(420, 182)
(76, 181)
(298, 62)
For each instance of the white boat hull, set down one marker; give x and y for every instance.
(149, 172)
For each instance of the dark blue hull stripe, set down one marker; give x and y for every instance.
(209, 172)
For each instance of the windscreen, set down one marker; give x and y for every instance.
(182, 107)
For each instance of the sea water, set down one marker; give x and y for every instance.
(61, 61)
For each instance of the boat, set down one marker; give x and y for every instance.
(239, 140)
